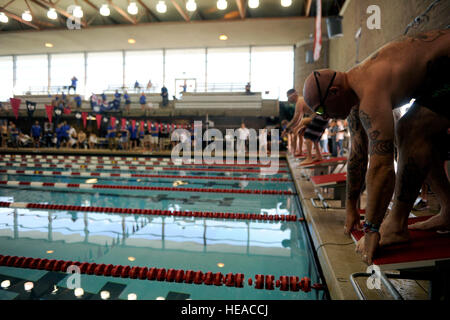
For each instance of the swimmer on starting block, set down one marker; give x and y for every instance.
(410, 67)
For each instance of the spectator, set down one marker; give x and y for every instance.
(73, 84)
(103, 95)
(48, 134)
(165, 96)
(124, 138)
(64, 134)
(14, 133)
(116, 101)
(332, 136)
(4, 133)
(247, 88)
(137, 86)
(154, 137)
(262, 142)
(72, 137)
(36, 133)
(93, 141)
(142, 137)
(78, 101)
(133, 137)
(142, 101)
(324, 141)
(81, 142)
(243, 134)
(25, 140)
(127, 101)
(93, 101)
(340, 137)
(111, 135)
(149, 84)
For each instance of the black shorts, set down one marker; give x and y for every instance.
(434, 93)
(64, 139)
(36, 138)
(315, 129)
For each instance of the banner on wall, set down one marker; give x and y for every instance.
(318, 31)
(141, 125)
(113, 121)
(15, 105)
(124, 123)
(98, 117)
(133, 124)
(49, 110)
(84, 116)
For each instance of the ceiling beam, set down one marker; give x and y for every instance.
(98, 12)
(242, 6)
(150, 12)
(180, 11)
(4, 7)
(60, 11)
(122, 13)
(308, 7)
(17, 18)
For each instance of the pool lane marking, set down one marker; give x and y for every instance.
(162, 163)
(237, 280)
(120, 187)
(130, 175)
(140, 168)
(157, 212)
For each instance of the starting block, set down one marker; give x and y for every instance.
(335, 181)
(326, 166)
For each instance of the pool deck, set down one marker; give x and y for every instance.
(336, 251)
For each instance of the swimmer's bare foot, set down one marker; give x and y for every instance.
(316, 158)
(437, 222)
(367, 246)
(391, 232)
(306, 161)
(352, 222)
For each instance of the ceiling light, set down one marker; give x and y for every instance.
(132, 296)
(222, 4)
(50, 251)
(6, 284)
(105, 295)
(223, 37)
(131, 41)
(253, 4)
(286, 3)
(3, 18)
(132, 8)
(104, 10)
(220, 265)
(49, 45)
(51, 14)
(26, 15)
(161, 7)
(131, 258)
(28, 286)
(160, 298)
(79, 292)
(77, 12)
(191, 5)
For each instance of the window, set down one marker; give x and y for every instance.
(104, 72)
(228, 69)
(272, 71)
(184, 64)
(31, 74)
(143, 66)
(63, 67)
(6, 78)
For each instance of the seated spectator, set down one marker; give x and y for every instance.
(104, 97)
(36, 133)
(127, 101)
(48, 134)
(117, 97)
(25, 140)
(81, 141)
(142, 101)
(14, 134)
(93, 140)
(4, 134)
(63, 138)
(72, 137)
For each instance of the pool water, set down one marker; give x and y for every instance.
(278, 248)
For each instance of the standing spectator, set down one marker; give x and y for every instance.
(14, 133)
(4, 133)
(73, 84)
(103, 96)
(93, 101)
(48, 134)
(340, 137)
(165, 96)
(127, 101)
(332, 136)
(81, 141)
(78, 101)
(64, 134)
(124, 138)
(142, 137)
(142, 101)
(137, 86)
(262, 141)
(324, 141)
(149, 84)
(117, 97)
(154, 137)
(248, 88)
(36, 133)
(92, 141)
(243, 134)
(133, 137)
(111, 135)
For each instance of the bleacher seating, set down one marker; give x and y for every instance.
(219, 100)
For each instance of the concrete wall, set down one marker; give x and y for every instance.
(395, 16)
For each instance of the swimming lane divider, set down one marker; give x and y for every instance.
(135, 175)
(155, 212)
(136, 168)
(237, 280)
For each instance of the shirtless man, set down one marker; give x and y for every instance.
(411, 67)
(292, 128)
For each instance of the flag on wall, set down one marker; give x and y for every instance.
(84, 116)
(149, 125)
(318, 31)
(49, 110)
(113, 121)
(124, 123)
(15, 105)
(133, 124)
(141, 125)
(99, 120)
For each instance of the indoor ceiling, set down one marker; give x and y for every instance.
(147, 12)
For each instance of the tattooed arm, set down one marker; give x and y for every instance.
(356, 168)
(376, 117)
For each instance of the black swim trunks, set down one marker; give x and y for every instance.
(315, 129)
(434, 93)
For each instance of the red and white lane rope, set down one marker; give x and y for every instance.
(124, 160)
(156, 212)
(237, 280)
(85, 174)
(38, 184)
(135, 168)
